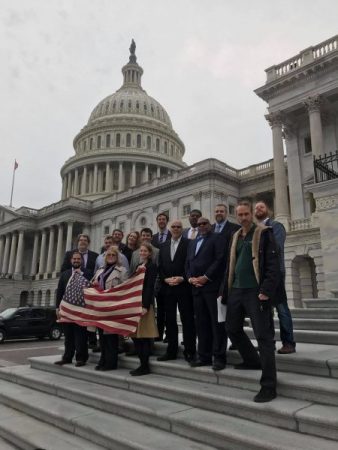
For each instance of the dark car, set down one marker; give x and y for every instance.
(35, 321)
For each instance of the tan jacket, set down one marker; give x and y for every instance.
(118, 276)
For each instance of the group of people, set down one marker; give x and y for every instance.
(216, 275)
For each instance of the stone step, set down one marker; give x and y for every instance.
(94, 424)
(25, 432)
(321, 303)
(308, 336)
(144, 402)
(283, 412)
(5, 445)
(312, 324)
(314, 313)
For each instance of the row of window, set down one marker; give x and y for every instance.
(166, 148)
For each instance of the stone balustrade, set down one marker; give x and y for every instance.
(301, 224)
(306, 56)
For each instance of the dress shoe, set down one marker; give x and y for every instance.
(286, 349)
(190, 357)
(265, 395)
(98, 367)
(199, 363)
(158, 339)
(142, 370)
(166, 357)
(165, 340)
(244, 366)
(131, 353)
(96, 349)
(62, 362)
(218, 365)
(80, 363)
(233, 347)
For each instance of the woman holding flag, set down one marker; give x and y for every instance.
(107, 277)
(147, 329)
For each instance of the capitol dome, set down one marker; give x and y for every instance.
(128, 140)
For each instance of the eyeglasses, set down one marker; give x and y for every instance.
(176, 226)
(202, 223)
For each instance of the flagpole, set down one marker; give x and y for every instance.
(13, 179)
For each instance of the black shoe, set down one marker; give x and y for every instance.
(158, 339)
(80, 363)
(199, 363)
(265, 395)
(190, 357)
(165, 340)
(105, 369)
(96, 349)
(218, 365)
(98, 367)
(131, 353)
(233, 347)
(244, 366)
(142, 370)
(166, 357)
(62, 362)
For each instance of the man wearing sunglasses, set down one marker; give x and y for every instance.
(204, 268)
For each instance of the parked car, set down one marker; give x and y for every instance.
(24, 322)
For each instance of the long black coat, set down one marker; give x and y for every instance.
(149, 284)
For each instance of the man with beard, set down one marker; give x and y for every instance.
(284, 314)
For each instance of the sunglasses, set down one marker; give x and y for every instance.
(176, 226)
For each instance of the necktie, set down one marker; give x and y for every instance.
(172, 250)
(218, 228)
(161, 237)
(193, 233)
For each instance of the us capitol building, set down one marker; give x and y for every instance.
(128, 166)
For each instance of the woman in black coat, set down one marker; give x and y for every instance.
(147, 329)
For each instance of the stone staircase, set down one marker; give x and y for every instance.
(175, 407)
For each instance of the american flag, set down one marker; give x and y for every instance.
(117, 310)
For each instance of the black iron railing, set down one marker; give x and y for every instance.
(326, 167)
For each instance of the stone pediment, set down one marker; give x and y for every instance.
(7, 214)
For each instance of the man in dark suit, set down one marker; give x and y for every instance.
(191, 233)
(117, 240)
(163, 234)
(88, 258)
(205, 266)
(223, 227)
(176, 292)
(75, 335)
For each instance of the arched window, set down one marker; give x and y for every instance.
(152, 109)
(138, 141)
(165, 147)
(171, 150)
(108, 140)
(118, 140)
(137, 106)
(128, 140)
(107, 108)
(145, 107)
(99, 142)
(148, 142)
(91, 144)
(129, 105)
(121, 106)
(157, 145)
(84, 146)
(114, 106)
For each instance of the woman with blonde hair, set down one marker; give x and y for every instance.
(147, 329)
(107, 277)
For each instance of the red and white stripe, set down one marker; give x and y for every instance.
(117, 310)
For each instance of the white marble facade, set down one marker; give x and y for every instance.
(128, 166)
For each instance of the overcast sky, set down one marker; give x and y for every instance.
(202, 59)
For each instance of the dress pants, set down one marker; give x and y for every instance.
(75, 342)
(212, 337)
(285, 324)
(186, 309)
(143, 350)
(245, 303)
(160, 314)
(109, 344)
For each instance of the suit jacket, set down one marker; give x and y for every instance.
(226, 234)
(149, 284)
(90, 266)
(168, 268)
(280, 236)
(209, 261)
(126, 251)
(117, 276)
(63, 281)
(186, 233)
(155, 240)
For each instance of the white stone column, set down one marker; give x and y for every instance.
(316, 131)
(100, 180)
(146, 173)
(84, 181)
(2, 247)
(35, 254)
(133, 175)
(59, 249)
(12, 256)
(90, 190)
(64, 188)
(174, 214)
(281, 189)
(76, 182)
(69, 184)
(5, 261)
(50, 255)
(121, 179)
(158, 172)
(19, 253)
(69, 236)
(95, 178)
(43, 249)
(107, 187)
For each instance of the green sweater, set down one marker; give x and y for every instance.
(244, 272)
